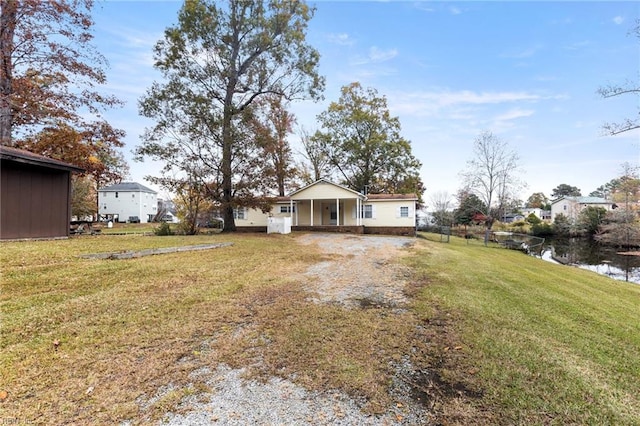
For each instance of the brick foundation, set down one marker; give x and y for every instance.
(382, 230)
(391, 230)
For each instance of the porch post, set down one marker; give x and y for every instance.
(337, 211)
(291, 210)
(358, 211)
(311, 212)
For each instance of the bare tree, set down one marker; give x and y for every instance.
(491, 174)
(314, 156)
(441, 202)
(628, 88)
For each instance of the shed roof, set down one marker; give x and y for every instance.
(28, 157)
(128, 187)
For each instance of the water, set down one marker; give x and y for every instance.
(587, 254)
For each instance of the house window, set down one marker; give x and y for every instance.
(367, 211)
(240, 213)
(104, 194)
(116, 195)
(564, 207)
(287, 209)
(133, 195)
(404, 211)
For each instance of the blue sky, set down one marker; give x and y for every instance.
(527, 71)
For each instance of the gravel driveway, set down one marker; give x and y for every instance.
(360, 272)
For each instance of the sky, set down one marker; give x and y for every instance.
(526, 71)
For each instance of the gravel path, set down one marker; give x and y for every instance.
(359, 273)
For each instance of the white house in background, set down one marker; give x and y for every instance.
(541, 214)
(130, 201)
(326, 206)
(572, 206)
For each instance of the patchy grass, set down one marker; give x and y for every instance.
(547, 344)
(494, 336)
(87, 341)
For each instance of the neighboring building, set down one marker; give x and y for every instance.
(35, 195)
(541, 214)
(128, 202)
(326, 206)
(512, 217)
(572, 206)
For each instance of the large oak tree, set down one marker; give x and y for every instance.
(218, 60)
(363, 144)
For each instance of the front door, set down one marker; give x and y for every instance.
(333, 214)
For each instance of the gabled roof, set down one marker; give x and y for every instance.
(128, 187)
(326, 181)
(584, 200)
(27, 157)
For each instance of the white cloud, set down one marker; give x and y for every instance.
(341, 39)
(618, 20)
(378, 55)
(375, 55)
(455, 10)
(514, 114)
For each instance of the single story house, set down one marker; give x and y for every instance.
(326, 206)
(128, 202)
(572, 206)
(35, 195)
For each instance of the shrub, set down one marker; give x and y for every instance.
(163, 229)
(542, 229)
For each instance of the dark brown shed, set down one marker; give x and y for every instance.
(35, 195)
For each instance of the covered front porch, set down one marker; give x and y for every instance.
(324, 204)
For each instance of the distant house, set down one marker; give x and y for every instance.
(35, 195)
(128, 202)
(326, 206)
(512, 217)
(540, 213)
(572, 206)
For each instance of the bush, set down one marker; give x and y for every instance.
(542, 229)
(163, 229)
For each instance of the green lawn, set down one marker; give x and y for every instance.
(547, 343)
(502, 338)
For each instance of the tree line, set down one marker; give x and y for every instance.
(222, 124)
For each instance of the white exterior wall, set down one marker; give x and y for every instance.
(128, 203)
(571, 208)
(387, 213)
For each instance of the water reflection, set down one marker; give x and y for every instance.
(587, 254)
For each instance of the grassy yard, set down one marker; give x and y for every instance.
(546, 344)
(508, 339)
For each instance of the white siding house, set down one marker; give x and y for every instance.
(572, 206)
(326, 206)
(128, 200)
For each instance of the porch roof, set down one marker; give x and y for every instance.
(324, 189)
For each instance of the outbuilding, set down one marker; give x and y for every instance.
(35, 195)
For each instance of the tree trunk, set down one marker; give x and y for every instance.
(227, 178)
(7, 29)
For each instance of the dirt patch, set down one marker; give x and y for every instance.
(338, 345)
(149, 252)
(362, 271)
